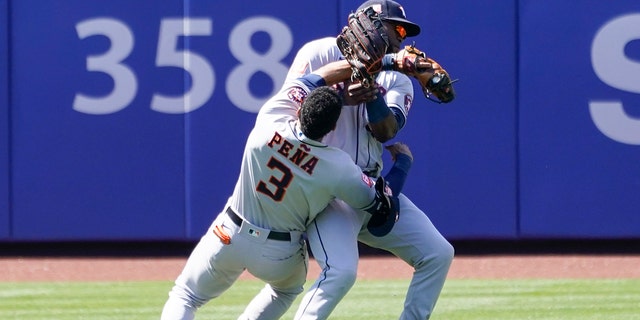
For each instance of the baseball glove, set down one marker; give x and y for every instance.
(434, 80)
(363, 42)
(387, 213)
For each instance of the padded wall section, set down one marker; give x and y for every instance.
(580, 119)
(5, 221)
(92, 159)
(464, 175)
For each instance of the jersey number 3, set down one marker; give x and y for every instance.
(280, 184)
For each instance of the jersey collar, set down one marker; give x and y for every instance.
(294, 125)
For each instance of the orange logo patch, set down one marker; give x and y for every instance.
(367, 180)
(296, 94)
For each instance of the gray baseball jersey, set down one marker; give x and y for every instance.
(350, 134)
(413, 238)
(285, 180)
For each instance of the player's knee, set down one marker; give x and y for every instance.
(348, 277)
(178, 308)
(342, 277)
(187, 297)
(438, 257)
(446, 253)
(287, 298)
(288, 295)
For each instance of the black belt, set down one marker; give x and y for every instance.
(273, 235)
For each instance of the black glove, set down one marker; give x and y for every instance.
(363, 42)
(387, 213)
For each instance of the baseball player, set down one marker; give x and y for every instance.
(363, 126)
(287, 177)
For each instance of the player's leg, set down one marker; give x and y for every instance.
(416, 241)
(285, 271)
(198, 282)
(332, 239)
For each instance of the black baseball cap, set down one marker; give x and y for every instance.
(392, 11)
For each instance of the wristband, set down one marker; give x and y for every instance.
(377, 109)
(398, 173)
(403, 162)
(312, 81)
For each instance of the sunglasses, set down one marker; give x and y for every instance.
(401, 31)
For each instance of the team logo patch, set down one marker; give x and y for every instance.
(407, 102)
(296, 94)
(254, 233)
(367, 180)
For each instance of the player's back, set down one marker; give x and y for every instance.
(286, 179)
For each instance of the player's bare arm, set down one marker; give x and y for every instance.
(385, 129)
(399, 148)
(335, 72)
(357, 93)
(382, 119)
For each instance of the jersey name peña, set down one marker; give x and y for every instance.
(298, 157)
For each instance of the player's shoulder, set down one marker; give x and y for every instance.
(338, 159)
(395, 81)
(284, 104)
(398, 89)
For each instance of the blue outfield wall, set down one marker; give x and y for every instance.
(5, 220)
(131, 127)
(91, 159)
(579, 117)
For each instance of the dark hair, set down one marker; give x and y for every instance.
(319, 112)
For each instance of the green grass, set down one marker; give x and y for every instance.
(369, 299)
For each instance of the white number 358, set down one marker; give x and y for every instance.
(168, 55)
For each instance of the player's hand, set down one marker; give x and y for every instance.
(398, 148)
(357, 93)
